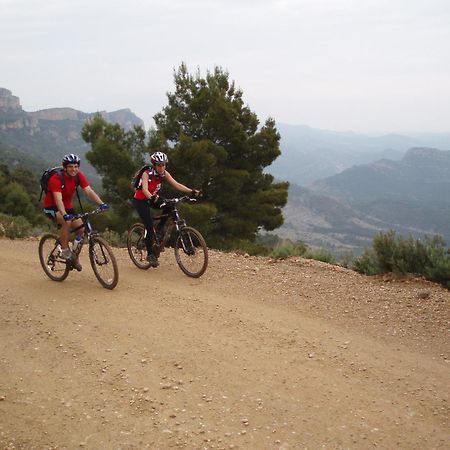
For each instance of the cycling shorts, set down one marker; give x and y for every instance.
(51, 211)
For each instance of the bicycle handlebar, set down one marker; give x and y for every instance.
(174, 201)
(89, 213)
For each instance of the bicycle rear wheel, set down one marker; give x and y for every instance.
(136, 246)
(103, 262)
(55, 267)
(191, 252)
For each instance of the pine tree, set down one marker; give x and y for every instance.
(214, 142)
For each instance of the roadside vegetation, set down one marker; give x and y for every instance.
(390, 252)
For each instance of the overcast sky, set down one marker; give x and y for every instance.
(360, 65)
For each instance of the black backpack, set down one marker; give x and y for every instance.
(137, 176)
(60, 171)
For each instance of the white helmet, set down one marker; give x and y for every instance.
(159, 158)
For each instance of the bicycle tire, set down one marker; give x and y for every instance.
(101, 258)
(136, 246)
(54, 266)
(191, 252)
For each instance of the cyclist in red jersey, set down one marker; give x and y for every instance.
(58, 204)
(147, 196)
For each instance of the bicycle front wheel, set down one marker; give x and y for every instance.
(103, 262)
(55, 267)
(136, 246)
(191, 252)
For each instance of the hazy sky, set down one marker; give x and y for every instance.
(361, 65)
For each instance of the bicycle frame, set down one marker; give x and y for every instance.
(88, 230)
(173, 219)
(187, 242)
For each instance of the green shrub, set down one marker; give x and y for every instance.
(245, 246)
(439, 272)
(345, 259)
(114, 238)
(391, 253)
(320, 254)
(14, 227)
(367, 263)
(438, 268)
(384, 247)
(286, 248)
(282, 252)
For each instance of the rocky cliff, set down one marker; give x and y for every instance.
(8, 102)
(59, 114)
(12, 116)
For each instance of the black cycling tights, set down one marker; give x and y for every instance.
(144, 210)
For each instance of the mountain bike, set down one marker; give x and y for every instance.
(101, 256)
(191, 252)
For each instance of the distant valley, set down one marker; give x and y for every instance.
(343, 212)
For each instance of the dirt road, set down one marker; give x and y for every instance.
(256, 354)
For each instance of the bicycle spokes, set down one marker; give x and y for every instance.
(191, 252)
(55, 267)
(137, 248)
(103, 263)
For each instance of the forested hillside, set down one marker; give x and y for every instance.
(15, 158)
(45, 136)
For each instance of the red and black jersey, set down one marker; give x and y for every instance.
(154, 184)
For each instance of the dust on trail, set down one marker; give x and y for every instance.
(256, 354)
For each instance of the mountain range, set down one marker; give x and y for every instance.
(344, 211)
(345, 187)
(310, 154)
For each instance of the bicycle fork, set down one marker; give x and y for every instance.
(186, 242)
